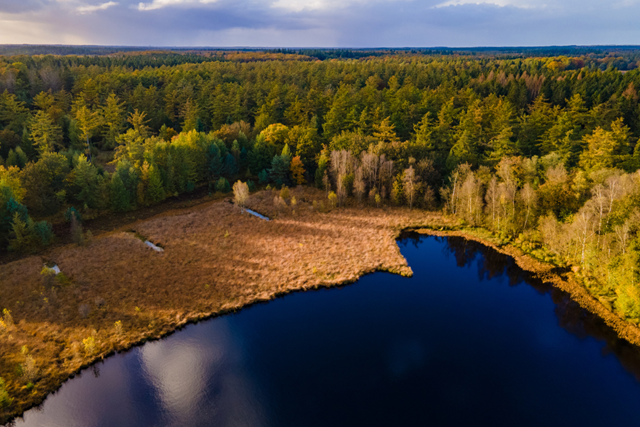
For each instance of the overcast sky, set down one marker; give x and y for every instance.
(320, 23)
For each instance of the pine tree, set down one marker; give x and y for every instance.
(120, 199)
(27, 145)
(230, 166)
(46, 135)
(155, 191)
(19, 234)
(279, 172)
(113, 119)
(86, 182)
(214, 164)
(263, 177)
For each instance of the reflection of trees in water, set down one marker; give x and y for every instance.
(573, 318)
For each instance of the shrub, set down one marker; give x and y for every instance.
(5, 400)
(89, 345)
(7, 318)
(118, 327)
(29, 368)
(284, 192)
(70, 213)
(333, 198)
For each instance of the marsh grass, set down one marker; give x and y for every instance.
(216, 260)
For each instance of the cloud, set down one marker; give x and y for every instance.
(95, 8)
(159, 4)
(320, 23)
(311, 5)
(501, 3)
(20, 6)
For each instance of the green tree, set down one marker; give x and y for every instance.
(223, 186)
(155, 190)
(46, 135)
(85, 180)
(606, 149)
(113, 120)
(120, 198)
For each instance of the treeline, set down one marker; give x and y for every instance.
(525, 142)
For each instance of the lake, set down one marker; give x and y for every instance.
(469, 340)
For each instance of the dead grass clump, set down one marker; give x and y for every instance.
(84, 310)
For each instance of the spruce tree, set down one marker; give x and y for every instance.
(230, 166)
(279, 171)
(120, 199)
(214, 163)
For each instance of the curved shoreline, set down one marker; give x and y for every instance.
(543, 271)
(389, 259)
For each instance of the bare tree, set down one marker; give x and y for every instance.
(370, 165)
(341, 166)
(385, 173)
(491, 197)
(470, 198)
(529, 198)
(583, 229)
(359, 186)
(411, 185)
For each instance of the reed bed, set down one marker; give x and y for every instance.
(117, 292)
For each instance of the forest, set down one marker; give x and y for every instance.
(538, 151)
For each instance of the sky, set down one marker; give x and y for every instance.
(320, 23)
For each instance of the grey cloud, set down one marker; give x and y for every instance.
(20, 6)
(397, 23)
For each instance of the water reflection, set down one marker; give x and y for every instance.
(195, 378)
(471, 339)
(571, 317)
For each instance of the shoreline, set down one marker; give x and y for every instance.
(384, 227)
(543, 271)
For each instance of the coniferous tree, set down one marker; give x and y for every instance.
(155, 190)
(120, 198)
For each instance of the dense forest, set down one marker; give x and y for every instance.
(541, 151)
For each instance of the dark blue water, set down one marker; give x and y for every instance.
(470, 340)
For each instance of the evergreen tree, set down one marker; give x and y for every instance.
(120, 198)
(230, 166)
(223, 186)
(263, 177)
(214, 164)
(155, 191)
(86, 182)
(46, 135)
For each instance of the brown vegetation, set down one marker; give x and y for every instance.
(116, 292)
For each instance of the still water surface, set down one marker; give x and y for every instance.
(470, 340)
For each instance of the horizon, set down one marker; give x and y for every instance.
(312, 23)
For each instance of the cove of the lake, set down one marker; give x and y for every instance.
(469, 340)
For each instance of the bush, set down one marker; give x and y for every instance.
(252, 186)
(284, 192)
